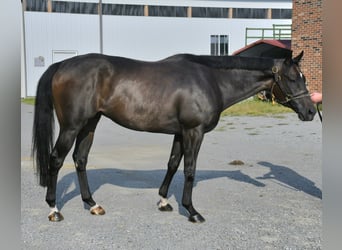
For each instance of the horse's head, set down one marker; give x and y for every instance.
(290, 90)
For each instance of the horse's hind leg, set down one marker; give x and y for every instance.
(173, 164)
(83, 143)
(59, 152)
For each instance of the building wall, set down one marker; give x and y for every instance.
(307, 36)
(46, 33)
(140, 37)
(158, 37)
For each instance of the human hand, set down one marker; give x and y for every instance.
(316, 97)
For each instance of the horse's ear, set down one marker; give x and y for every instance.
(299, 57)
(288, 59)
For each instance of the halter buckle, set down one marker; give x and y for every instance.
(275, 69)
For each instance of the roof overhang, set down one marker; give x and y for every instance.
(267, 48)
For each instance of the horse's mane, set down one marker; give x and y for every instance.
(229, 62)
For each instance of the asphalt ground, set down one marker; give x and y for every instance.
(272, 201)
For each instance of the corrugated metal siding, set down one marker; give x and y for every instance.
(45, 32)
(151, 38)
(147, 38)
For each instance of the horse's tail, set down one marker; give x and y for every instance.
(43, 125)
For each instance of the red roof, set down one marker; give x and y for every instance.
(267, 48)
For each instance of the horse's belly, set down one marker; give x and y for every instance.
(144, 118)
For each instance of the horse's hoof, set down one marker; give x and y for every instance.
(55, 217)
(197, 218)
(97, 210)
(166, 208)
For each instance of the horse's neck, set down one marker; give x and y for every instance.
(237, 84)
(238, 77)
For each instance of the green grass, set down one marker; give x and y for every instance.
(29, 100)
(255, 108)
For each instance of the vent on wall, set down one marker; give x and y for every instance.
(60, 55)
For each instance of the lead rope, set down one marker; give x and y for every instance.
(319, 112)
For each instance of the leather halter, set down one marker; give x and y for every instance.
(288, 97)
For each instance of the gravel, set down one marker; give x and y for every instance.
(272, 199)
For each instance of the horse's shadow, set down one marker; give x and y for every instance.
(68, 187)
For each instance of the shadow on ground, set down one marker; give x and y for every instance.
(140, 179)
(145, 179)
(289, 178)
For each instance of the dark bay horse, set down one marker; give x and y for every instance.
(182, 95)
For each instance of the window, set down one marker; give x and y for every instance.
(36, 5)
(74, 7)
(80, 7)
(123, 9)
(249, 13)
(209, 12)
(219, 45)
(167, 11)
(281, 13)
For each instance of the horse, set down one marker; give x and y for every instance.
(182, 95)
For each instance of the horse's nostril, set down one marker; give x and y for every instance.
(312, 111)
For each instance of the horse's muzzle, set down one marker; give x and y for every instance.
(308, 115)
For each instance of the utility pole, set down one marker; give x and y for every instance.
(101, 26)
(23, 52)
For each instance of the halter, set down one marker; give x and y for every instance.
(288, 97)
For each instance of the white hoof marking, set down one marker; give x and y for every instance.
(163, 202)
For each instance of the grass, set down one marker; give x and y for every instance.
(29, 100)
(251, 107)
(255, 108)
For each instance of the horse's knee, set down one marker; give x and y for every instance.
(81, 163)
(55, 163)
(174, 162)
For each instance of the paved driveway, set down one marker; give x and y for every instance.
(272, 201)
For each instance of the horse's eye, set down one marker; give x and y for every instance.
(292, 78)
(303, 77)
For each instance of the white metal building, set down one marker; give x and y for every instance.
(140, 29)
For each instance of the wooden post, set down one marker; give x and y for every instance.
(49, 6)
(230, 13)
(145, 10)
(189, 12)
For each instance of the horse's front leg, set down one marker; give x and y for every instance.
(192, 139)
